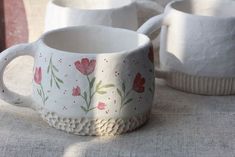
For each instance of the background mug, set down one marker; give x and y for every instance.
(197, 52)
(103, 89)
(114, 13)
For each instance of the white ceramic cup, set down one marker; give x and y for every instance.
(197, 52)
(88, 80)
(114, 13)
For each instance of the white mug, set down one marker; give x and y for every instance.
(88, 80)
(197, 52)
(113, 13)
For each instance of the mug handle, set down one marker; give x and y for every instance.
(147, 9)
(5, 58)
(148, 28)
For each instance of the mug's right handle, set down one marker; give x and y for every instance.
(148, 28)
(5, 58)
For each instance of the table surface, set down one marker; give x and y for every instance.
(181, 125)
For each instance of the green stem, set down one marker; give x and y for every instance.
(89, 104)
(43, 95)
(92, 109)
(124, 98)
(84, 99)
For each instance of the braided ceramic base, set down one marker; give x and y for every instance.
(201, 84)
(87, 126)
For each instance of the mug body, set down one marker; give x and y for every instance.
(92, 80)
(197, 42)
(118, 13)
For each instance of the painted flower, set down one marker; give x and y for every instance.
(138, 84)
(76, 91)
(151, 54)
(101, 106)
(38, 75)
(85, 66)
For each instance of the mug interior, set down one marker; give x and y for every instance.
(94, 39)
(92, 4)
(217, 8)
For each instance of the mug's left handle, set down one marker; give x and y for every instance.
(5, 58)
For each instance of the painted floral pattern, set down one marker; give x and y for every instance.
(52, 70)
(101, 106)
(87, 67)
(91, 92)
(76, 91)
(138, 86)
(38, 80)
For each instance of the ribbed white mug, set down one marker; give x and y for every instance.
(197, 52)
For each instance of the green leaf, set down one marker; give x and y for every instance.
(83, 108)
(39, 92)
(123, 87)
(46, 99)
(92, 82)
(55, 68)
(108, 86)
(119, 92)
(85, 96)
(61, 81)
(51, 82)
(128, 101)
(58, 86)
(48, 69)
(98, 85)
(101, 92)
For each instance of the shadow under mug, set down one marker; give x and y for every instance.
(114, 13)
(197, 49)
(88, 80)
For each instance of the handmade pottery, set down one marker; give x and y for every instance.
(103, 89)
(197, 52)
(114, 13)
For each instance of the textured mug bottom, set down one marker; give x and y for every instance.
(199, 84)
(96, 126)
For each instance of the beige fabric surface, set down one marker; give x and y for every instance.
(181, 125)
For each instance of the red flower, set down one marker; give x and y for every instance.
(38, 75)
(76, 91)
(138, 84)
(151, 54)
(86, 67)
(101, 106)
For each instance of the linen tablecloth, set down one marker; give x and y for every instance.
(181, 125)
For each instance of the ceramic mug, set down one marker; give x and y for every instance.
(197, 52)
(103, 89)
(114, 13)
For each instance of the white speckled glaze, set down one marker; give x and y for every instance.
(88, 79)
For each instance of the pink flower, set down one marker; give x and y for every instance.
(101, 106)
(138, 84)
(76, 91)
(38, 75)
(85, 66)
(151, 54)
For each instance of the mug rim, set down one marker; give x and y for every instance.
(146, 43)
(53, 2)
(169, 5)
